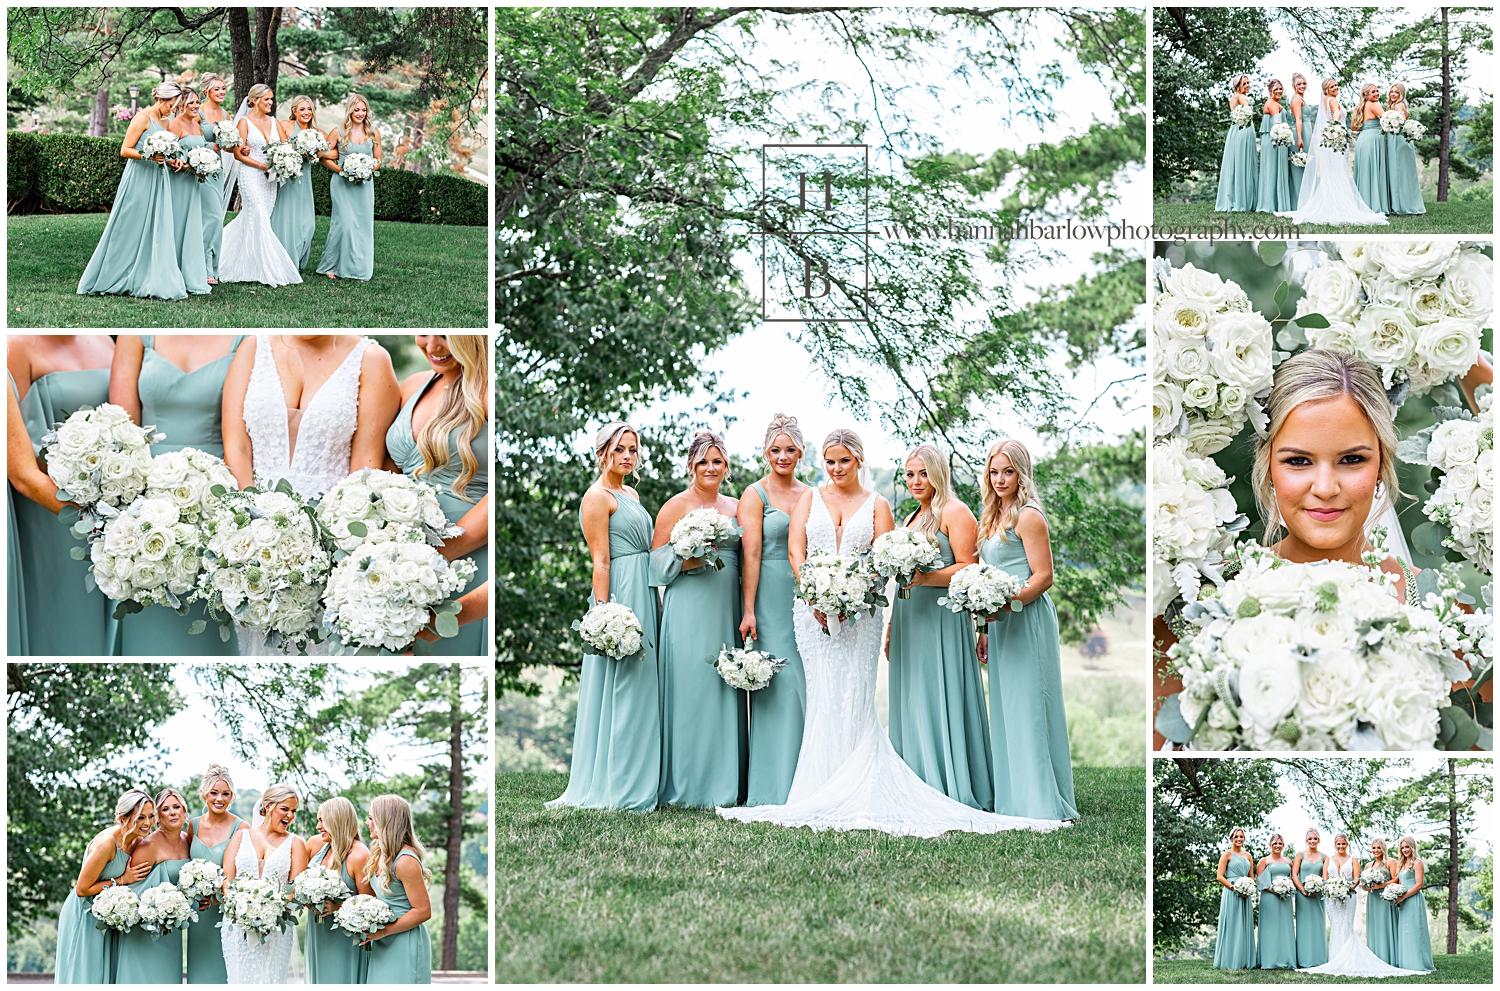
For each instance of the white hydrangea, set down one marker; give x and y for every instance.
(611, 629)
(147, 555)
(362, 915)
(983, 589)
(200, 879)
(383, 594)
(318, 884)
(117, 907)
(188, 477)
(1392, 121)
(372, 499)
(1462, 447)
(1194, 520)
(99, 459)
(358, 168)
(840, 586)
(701, 533)
(165, 908)
(257, 906)
(310, 142)
(745, 667)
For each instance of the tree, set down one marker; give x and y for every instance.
(69, 726)
(1445, 798)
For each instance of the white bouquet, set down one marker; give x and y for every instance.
(206, 163)
(257, 906)
(285, 162)
(226, 134)
(840, 586)
(1299, 159)
(382, 595)
(148, 556)
(1194, 522)
(1392, 121)
(1374, 876)
(1241, 115)
(318, 884)
(200, 879)
(1281, 887)
(371, 500)
(1281, 134)
(362, 916)
(1213, 359)
(117, 908)
(1313, 884)
(1334, 136)
(1245, 887)
(100, 460)
(310, 142)
(1337, 887)
(1462, 447)
(358, 168)
(983, 590)
(745, 667)
(1393, 892)
(192, 480)
(901, 553)
(610, 629)
(699, 534)
(163, 143)
(264, 566)
(1413, 130)
(1315, 657)
(164, 909)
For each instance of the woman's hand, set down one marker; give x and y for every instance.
(748, 630)
(822, 620)
(377, 934)
(135, 872)
(983, 646)
(206, 902)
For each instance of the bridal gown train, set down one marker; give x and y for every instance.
(251, 252)
(1328, 194)
(1348, 955)
(246, 958)
(848, 775)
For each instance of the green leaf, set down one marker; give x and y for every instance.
(197, 626)
(1281, 290)
(1459, 731)
(224, 632)
(1312, 321)
(446, 624)
(1169, 721)
(218, 490)
(1428, 538)
(76, 553)
(358, 529)
(1271, 252)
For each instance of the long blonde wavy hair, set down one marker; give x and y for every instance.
(369, 124)
(462, 409)
(932, 459)
(1401, 862)
(342, 823)
(1364, 100)
(393, 830)
(995, 519)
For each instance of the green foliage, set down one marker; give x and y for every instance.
(21, 153)
(398, 196)
(1453, 217)
(70, 173)
(1472, 968)
(451, 199)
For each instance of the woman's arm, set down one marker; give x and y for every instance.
(94, 861)
(674, 510)
(379, 402)
(1223, 865)
(1031, 527)
(476, 531)
(299, 857)
(1483, 373)
(21, 465)
(1356, 868)
(409, 873)
(963, 536)
(796, 540)
(1297, 872)
(885, 520)
(138, 125)
(751, 515)
(237, 452)
(330, 158)
(1416, 887)
(375, 146)
(125, 375)
(1297, 106)
(597, 507)
(242, 150)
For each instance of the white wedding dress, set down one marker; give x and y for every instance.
(246, 958)
(1348, 956)
(251, 251)
(1328, 194)
(848, 774)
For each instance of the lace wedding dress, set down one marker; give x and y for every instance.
(246, 958)
(251, 250)
(1328, 194)
(1348, 955)
(848, 774)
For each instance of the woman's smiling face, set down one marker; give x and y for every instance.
(1325, 466)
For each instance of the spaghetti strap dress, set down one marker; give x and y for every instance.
(212, 209)
(187, 221)
(147, 959)
(292, 217)
(137, 254)
(333, 956)
(1381, 926)
(1370, 167)
(405, 958)
(86, 955)
(1235, 947)
(1413, 940)
(205, 950)
(1312, 921)
(776, 711)
(349, 251)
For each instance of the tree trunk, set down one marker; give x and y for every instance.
(241, 52)
(1453, 870)
(1445, 140)
(452, 873)
(99, 115)
(267, 52)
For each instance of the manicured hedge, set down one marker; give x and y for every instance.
(398, 195)
(76, 173)
(449, 199)
(20, 157)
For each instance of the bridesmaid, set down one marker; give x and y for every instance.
(86, 955)
(1381, 926)
(1302, 125)
(617, 738)
(50, 378)
(1028, 727)
(401, 953)
(144, 959)
(1239, 169)
(937, 713)
(776, 711)
(1413, 941)
(187, 194)
(136, 255)
(213, 89)
(1401, 159)
(211, 833)
(442, 436)
(292, 216)
(1369, 151)
(349, 251)
(1278, 942)
(1275, 190)
(1235, 948)
(1312, 919)
(705, 737)
(332, 956)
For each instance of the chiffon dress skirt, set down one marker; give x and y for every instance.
(1239, 172)
(187, 221)
(212, 193)
(60, 614)
(292, 217)
(705, 745)
(1381, 927)
(86, 955)
(16, 644)
(1275, 188)
(188, 408)
(473, 639)
(349, 251)
(1413, 941)
(405, 958)
(1235, 947)
(1370, 168)
(332, 955)
(144, 959)
(1405, 183)
(617, 734)
(1307, 145)
(1277, 948)
(938, 722)
(137, 255)
(776, 711)
(205, 949)
(1312, 922)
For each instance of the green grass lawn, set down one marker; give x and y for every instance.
(680, 895)
(426, 275)
(1454, 217)
(1463, 968)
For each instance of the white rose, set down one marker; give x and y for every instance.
(1184, 359)
(117, 467)
(1385, 336)
(1166, 409)
(1454, 442)
(1328, 689)
(1232, 399)
(1332, 290)
(1242, 350)
(1449, 344)
(402, 505)
(1270, 686)
(1337, 336)
(1468, 287)
(149, 574)
(264, 533)
(1406, 719)
(1359, 256)
(167, 470)
(1411, 260)
(1426, 301)
(159, 513)
(239, 546)
(1211, 739)
(1484, 471)
(1193, 283)
(1200, 394)
(1209, 436)
(1220, 716)
(1181, 319)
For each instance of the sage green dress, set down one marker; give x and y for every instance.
(1370, 167)
(333, 956)
(1239, 171)
(1307, 147)
(60, 614)
(212, 192)
(188, 408)
(86, 955)
(1405, 181)
(1277, 945)
(1312, 921)
(776, 711)
(1235, 947)
(292, 217)
(405, 958)
(1028, 726)
(705, 745)
(205, 954)
(937, 708)
(187, 221)
(16, 641)
(148, 960)
(349, 251)
(616, 761)
(1381, 926)
(1413, 941)
(1274, 191)
(137, 254)
(473, 639)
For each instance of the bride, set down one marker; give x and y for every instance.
(268, 850)
(251, 251)
(1347, 953)
(1328, 194)
(848, 775)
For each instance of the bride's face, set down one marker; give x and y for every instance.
(279, 817)
(218, 798)
(267, 100)
(435, 347)
(709, 469)
(782, 454)
(842, 467)
(1325, 465)
(917, 482)
(171, 813)
(1342, 846)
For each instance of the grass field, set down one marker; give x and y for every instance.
(426, 275)
(1454, 217)
(1471, 968)
(680, 895)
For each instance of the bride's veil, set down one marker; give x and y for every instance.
(234, 167)
(1310, 173)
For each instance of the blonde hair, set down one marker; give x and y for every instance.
(256, 92)
(1384, 850)
(168, 91)
(605, 439)
(207, 80)
(1296, 76)
(1271, 85)
(167, 793)
(1328, 84)
(1312, 376)
(462, 409)
(783, 424)
(994, 518)
(1238, 829)
(291, 108)
(275, 793)
(128, 804)
(1401, 862)
(932, 459)
(215, 772)
(1364, 99)
(702, 442)
(1313, 830)
(342, 823)
(848, 439)
(369, 125)
(391, 815)
(1274, 837)
(179, 105)
(1234, 85)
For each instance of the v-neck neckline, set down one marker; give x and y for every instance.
(286, 419)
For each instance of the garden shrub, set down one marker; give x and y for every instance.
(21, 154)
(76, 173)
(451, 199)
(398, 196)
(322, 198)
